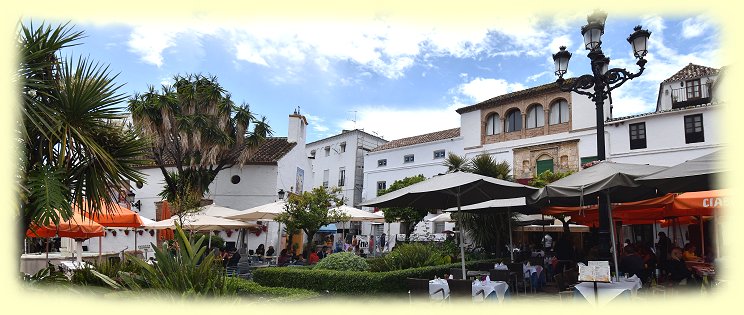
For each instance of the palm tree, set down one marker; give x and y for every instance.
(488, 230)
(194, 127)
(77, 152)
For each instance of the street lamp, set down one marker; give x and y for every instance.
(602, 80)
(280, 194)
(130, 200)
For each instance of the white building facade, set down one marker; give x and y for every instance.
(543, 128)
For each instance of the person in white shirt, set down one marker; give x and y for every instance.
(547, 242)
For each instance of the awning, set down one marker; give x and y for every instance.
(330, 228)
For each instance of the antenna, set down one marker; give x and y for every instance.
(355, 118)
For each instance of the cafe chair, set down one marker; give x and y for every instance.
(519, 276)
(462, 290)
(457, 273)
(499, 275)
(419, 289)
(565, 292)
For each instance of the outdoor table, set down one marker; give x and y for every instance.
(608, 291)
(435, 285)
(475, 274)
(497, 287)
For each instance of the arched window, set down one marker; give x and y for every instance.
(493, 124)
(535, 116)
(514, 121)
(559, 112)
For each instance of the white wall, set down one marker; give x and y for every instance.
(351, 160)
(584, 112)
(665, 138)
(470, 128)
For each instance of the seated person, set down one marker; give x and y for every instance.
(689, 253)
(676, 268)
(632, 263)
(270, 251)
(284, 258)
(312, 258)
(234, 258)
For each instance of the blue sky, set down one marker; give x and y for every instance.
(396, 76)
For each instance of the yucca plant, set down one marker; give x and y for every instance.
(189, 271)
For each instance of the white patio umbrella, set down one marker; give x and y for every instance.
(444, 217)
(199, 222)
(266, 212)
(358, 215)
(219, 211)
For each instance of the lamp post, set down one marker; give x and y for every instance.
(130, 200)
(598, 86)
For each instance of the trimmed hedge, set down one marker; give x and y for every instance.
(244, 287)
(350, 282)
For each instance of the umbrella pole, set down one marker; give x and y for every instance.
(612, 238)
(47, 250)
(702, 243)
(135, 241)
(511, 244)
(462, 237)
(279, 237)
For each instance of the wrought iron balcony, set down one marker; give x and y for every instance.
(688, 96)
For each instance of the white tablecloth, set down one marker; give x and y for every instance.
(435, 285)
(499, 287)
(608, 291)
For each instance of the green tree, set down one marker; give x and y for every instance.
(408, 216)
(456, 163)
(194, 127)
(545, 178)
(77, 152)
(311, 210)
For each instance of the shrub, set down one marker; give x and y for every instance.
(412, 255)
(342, 261)
(249, 288)
(349, 282)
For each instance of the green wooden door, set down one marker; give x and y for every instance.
(544, 165)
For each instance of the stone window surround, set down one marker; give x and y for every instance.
(523, 105)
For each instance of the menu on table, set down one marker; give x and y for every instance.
(598, 271)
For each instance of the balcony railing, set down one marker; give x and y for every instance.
(681, 97)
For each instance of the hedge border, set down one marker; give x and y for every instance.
(350, 282)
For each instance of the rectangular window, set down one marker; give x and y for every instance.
(378, 229)
(382, 162)
(343, 147)
(408, 158)
(341, 177)
(439, 154)
(381, 185)
(693, 89)
(327, 151)
(325, 178)
(438, 227)
(637, 135)
(694, 128)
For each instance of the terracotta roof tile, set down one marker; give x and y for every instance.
(692, 71)
(513, 95)
(429, 137)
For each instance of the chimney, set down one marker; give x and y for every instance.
(296, 127)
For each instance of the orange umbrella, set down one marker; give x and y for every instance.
(699, 202)
(75, 227)
(653, 203)
(118, 217)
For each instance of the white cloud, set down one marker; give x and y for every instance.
(388, 46)
(481, 89)
(394, 123)
(316, 123)
(694, 27)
